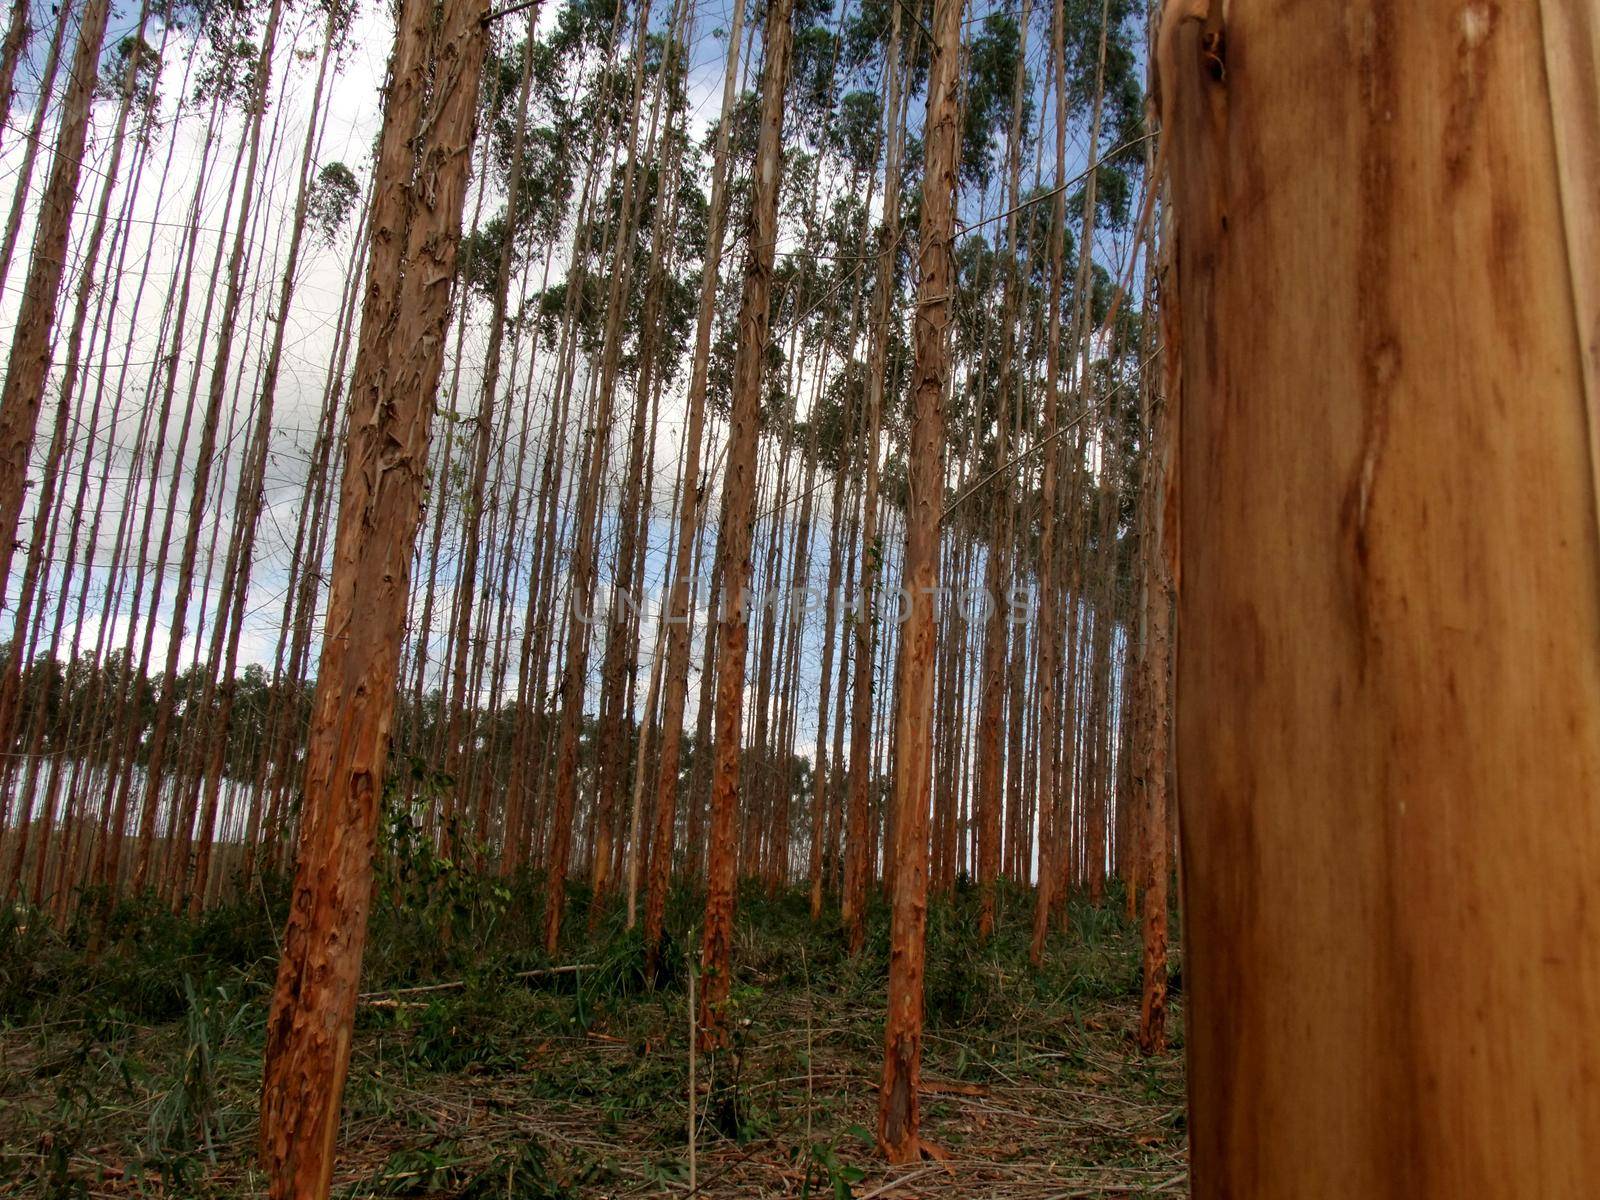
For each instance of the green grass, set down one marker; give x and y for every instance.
(130, 1060)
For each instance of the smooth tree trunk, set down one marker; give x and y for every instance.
(1388, 691)
(166, 745)
(461, 696)
(913, 769)
(421, 179)
(249, 501)
(1054, 811)
(33, 143)
(997, 558)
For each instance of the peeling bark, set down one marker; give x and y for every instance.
(424, 154)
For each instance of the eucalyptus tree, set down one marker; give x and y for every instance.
(898, 1108)
(19, 29)
(161, 388)
(658, 199)
(1389, 588)
(52, 489)
(690, 512)
(1092, 793)
(28, 365)
(501, 253)
(245, 77)
(34, 141)
(329, 207)
(857, 864)
(583, 575)
(997, 60)
(1156, 545)
(249, 496)
(121, 701)
(415, 226)
(733, 540)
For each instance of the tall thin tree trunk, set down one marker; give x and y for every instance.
(1152, 763)
(421, 174)
(199, 478)
(461, 699)
(690, 512)
(249, 498)
(18, 30)
(733, 541)
(898, 1109)
(34, 143)
(584, 555)
(858, 857)
(29, 362)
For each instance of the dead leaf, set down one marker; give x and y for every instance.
(937, 1153)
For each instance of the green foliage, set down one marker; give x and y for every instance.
(419, 1171)
(29, 949)
(131, 72)
(856, 131)
(462, 1030)
(428, 900)
(961, 985)
(231, 72)
(618, 972)
(994, 60)
(814, 69)
(525, 1172)
(134, 956)
(71, 699)
(331, 199)
(828, 1174)
(446, 1167)
(219, 1021)
(170, 1090)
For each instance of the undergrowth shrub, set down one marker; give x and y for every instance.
(445, 1167)
(960, 984)
(462, 1030)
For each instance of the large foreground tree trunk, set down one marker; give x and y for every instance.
(913, 767)
(421, 181)
(1389, 594)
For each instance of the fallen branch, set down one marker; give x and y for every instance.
(941, 1087)
(903, 1179)
(387, 997)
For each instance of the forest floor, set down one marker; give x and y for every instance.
(134, 1071)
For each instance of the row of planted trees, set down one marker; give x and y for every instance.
(696, 446)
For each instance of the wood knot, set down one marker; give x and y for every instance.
(1214, 55)
(1477, 23)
